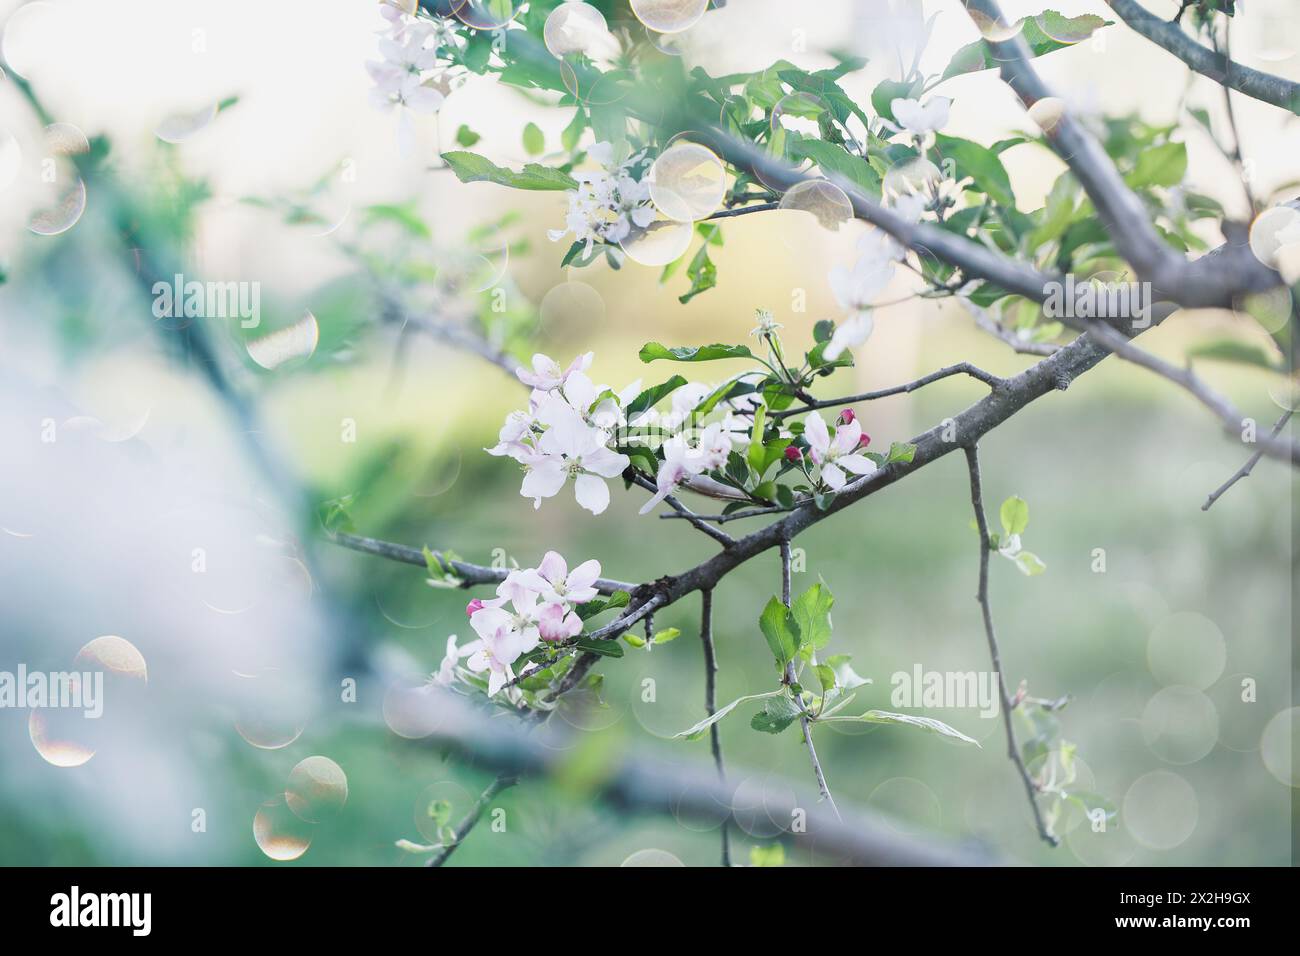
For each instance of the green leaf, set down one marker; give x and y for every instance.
(1014, 514)
(1164, 165)
(1046, 33)
(1234, 350)
(603, 648)
(466, 137)
(781, 631)
(473, 168)
(812, 613)
(773, 855)
(1029, 564)
(912, 720)
(777, 714)
(845, 676)
(666, 635)
(534, 140)
(825, 676)
(756, 456)
(403, 216)
(834, 159)
(883, 96)
(651, 396)
(573, 132)
(703, 353)
(616, 600)
(980, 164)
(696, 731)
(901, 451)
(702, 273)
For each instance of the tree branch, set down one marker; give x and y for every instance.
(1256, 84)
(1008, 705)
(1205, 283)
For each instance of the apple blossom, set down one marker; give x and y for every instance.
(836, 455)
(446, 673)
(919, 119)
(555, 582)
(546, 373)
(688, 454)
(570, 448)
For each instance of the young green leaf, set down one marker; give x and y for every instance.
(812, 613)
(777, 714)
(781, 631)
(912, 720)
(696, 731)
(1014, 514)
(703, 353)
(534, 140)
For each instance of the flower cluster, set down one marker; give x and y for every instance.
(566, 432)
(609, 202)
(409, 78)
(532, 605)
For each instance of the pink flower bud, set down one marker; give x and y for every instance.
(847, 416)
(864, 440)
(792, 453)
(473, 607)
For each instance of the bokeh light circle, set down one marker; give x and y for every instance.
(317, 789)
(1277, 746)
(660, 243)
(687, 182)
(487, 14)
(1161, 810)
(652, 857)
(577, 27)
(279, 833)
(669, 16)
(821, 199)
(1180, 725)
(1188, 649)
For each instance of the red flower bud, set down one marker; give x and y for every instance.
(473, 607)
(864, 440)
(847, 416)
(792, 453)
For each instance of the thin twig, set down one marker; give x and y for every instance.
(1281, 449)
(1235, 155)
(1249, 466)
(503, 781)
(711, 702)
(790, 678)
(685, 513)
(735, 515)
(961, 368)
(743, 211)
(1013, 751)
